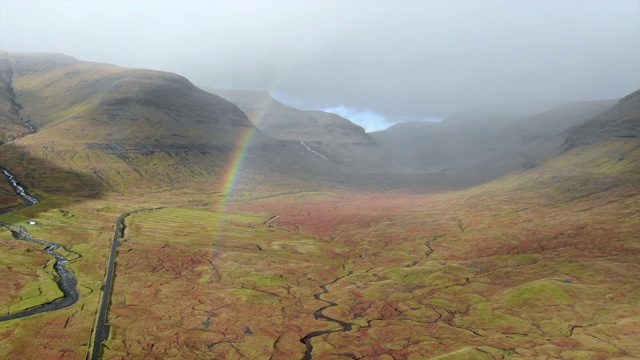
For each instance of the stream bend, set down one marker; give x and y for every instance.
(319, 315)
(66, 281)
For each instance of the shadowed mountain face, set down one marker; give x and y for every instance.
(284, 122)
(620, 121)
(11, 126)
(132, 129)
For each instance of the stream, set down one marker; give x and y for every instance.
(66, 280)
(319, 315)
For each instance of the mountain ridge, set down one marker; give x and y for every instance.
(137, 129)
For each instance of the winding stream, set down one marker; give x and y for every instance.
(19, 189)
(319, 315)
(66, 280)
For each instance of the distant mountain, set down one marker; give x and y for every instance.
(469, 137)
(284, 122)
(332, 136)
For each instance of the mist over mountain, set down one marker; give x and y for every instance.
(618, 122)
(518, 134)
(332, 136)
(136, 129)
(284, 122)
(93, 140)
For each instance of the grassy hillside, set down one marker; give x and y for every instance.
(129, 129)
(135, 130)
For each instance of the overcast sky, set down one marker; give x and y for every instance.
(380, 62)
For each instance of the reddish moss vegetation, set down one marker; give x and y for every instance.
(475, 273)
(531, 266)
(523, 270)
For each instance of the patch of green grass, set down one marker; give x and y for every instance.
(248, 295)
(265, 280)
(538, 293)
(36, 293)
(467, 353)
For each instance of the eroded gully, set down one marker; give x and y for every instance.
(66, 280)
(319, 315)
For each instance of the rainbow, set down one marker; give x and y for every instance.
(231, 171)
(230, 174)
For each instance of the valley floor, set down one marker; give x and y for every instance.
(525, 267)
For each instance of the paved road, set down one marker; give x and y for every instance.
(102, 329)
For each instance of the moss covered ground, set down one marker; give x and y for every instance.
(541, 264)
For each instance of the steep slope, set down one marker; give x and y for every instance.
(328, 135)
(537, 138)
(136, 130)
(620, 121)
(608, 144)
(12, 126)
(471, 137)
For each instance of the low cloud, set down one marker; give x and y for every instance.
(400, 60)
(369, 120)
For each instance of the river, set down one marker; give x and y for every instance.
(66, 281)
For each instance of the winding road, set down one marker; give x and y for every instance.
(66, 280)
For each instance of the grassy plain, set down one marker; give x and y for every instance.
(541, 264)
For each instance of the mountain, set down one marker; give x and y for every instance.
(327, 134)
(471, 137)
(11, 126)
(68, 125)
(618, 122)
(135, 130)
(284, 122)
